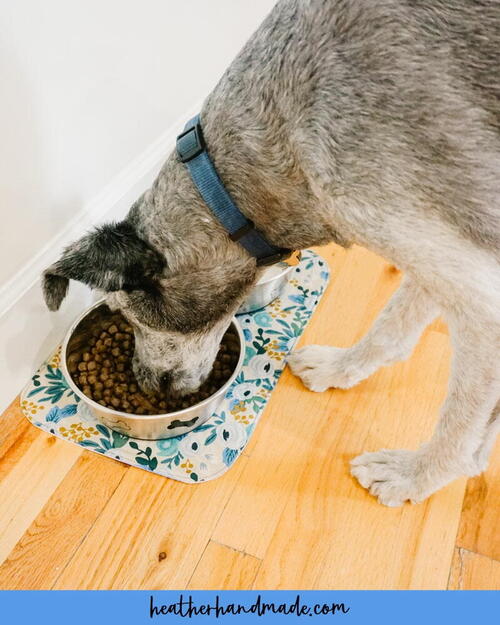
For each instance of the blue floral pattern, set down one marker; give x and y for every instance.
(209, 450)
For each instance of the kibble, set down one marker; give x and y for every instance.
(103, 371)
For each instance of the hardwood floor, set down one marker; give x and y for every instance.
(296, 519)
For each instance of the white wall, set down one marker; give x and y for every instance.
(92, 93)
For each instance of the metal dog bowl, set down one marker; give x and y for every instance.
(270, 285)
(149, 427)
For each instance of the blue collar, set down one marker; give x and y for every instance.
(192, 151)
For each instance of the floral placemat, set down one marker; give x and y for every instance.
(210, 449)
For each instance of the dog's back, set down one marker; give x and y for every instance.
(381, 101)
(471, 30)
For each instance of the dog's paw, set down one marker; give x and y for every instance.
(321, 367)
(392, 475)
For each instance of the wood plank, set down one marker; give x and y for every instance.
(353, 299)
(52, 538)
(151, 534)
(472, 571)
(13, 427)
(282, 445)
(479, 526)
(281, 451)
(332, 533)
(223, 568)
(16, 445)
(28, 476)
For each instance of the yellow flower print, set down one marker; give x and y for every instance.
(55, 361)
(239, 407)
(276, 309)
(273, 350)
(77, 432)
(187, 466)
(30, 408)
(244, 419)
(240, 413)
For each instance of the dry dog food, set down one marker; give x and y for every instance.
(103, 372)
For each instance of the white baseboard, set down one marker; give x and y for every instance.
(28, 331)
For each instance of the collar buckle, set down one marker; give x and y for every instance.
(272, 259)
(190, 143)
(279, 255)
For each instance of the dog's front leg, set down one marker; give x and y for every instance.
(392, 338)
(395, 476)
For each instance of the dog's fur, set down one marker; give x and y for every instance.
(367, 121)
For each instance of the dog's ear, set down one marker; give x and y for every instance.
(111, 257)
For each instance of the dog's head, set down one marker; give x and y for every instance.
(179, 317)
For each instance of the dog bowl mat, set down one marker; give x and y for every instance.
(210, 449)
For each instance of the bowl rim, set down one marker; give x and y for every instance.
(287, 267)
(77, 391)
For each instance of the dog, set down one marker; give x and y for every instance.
(374, 122)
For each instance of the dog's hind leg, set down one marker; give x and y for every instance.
(391, 338)
(395, 476)
(483, 454)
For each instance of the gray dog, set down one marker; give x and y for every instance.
(367, 121)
